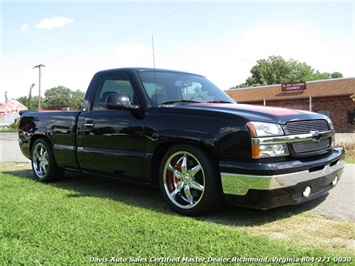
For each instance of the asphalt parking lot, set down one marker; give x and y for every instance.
(339, 204)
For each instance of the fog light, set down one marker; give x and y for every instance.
(335, 181)
(307, 192)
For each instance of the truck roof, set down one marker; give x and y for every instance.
(142, 69)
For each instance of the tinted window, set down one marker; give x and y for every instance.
(174, 86)
(111, 84)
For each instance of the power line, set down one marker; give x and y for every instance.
(112, 38)
(54, 31)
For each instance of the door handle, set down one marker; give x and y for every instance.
(89, 124)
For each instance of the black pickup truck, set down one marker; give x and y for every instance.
(179, 132)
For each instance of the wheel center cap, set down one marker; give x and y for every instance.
(187, 178)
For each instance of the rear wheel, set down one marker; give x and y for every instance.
(190, 181)
(44, 165)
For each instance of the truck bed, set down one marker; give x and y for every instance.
(58, 126)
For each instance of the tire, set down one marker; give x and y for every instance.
(190, 181)
(44, 165)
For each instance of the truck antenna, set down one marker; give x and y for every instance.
(153, 51)
(155, 77)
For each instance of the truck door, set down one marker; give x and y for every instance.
(111, 142)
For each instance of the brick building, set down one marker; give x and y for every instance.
(330, 97)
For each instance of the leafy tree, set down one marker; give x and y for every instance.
(35, 102)
(60, 97)
(336, 75)
(276, 70)
(30, 103)
(23, 100)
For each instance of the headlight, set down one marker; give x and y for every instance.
(258, 130)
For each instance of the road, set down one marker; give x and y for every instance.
(340, 203)
(10, 151)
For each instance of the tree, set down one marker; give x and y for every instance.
(59, 97)
(276, 70)
(30, 102)
(23, 100)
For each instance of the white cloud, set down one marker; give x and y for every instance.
(25, 27)
(53, 23)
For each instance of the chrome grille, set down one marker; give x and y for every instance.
(307, 146)
(306, 126)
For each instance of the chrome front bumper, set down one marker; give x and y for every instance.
(240, 184)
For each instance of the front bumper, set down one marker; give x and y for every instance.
(269, 185)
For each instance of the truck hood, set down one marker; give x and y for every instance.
(251, 112)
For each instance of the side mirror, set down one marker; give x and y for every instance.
(119, 102)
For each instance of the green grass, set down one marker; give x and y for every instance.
(11, 129)
(83, 218)
(349, 152)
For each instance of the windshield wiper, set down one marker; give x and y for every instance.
(180, 101)
(219, 102)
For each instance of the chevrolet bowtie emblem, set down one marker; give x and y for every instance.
(316, 136)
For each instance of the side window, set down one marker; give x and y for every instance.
(110, 84)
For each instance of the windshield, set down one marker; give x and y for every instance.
(164, 87)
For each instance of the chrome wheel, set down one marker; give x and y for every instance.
(184, 180)
(40, 161)
(44, 165)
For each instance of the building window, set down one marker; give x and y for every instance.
(351, 116)
(324, 112)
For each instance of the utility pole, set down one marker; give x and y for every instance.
(39, 84)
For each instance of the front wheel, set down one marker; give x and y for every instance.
(190, 181)
(44, 165)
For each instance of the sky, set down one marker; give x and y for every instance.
(220, 40)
